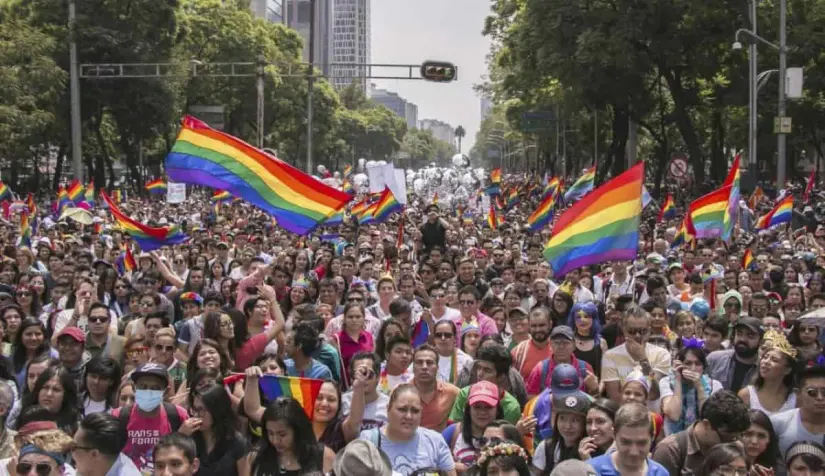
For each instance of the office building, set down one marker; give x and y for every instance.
(297, 17)
(271, 10)
(351, 42)
(395, 103)
(440, 129)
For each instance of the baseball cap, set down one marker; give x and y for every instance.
(751, 323)
(573, 467)
(576, 402)
(519, 310)
(150, 369)
(565, 380)
(483, 392)
(564, 332)
(73, 332)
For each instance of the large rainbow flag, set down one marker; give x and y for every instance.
(583, 186)
(543, 213)
(303, 390)
(386, 206)
(602, 226)
(204, 156)
(732, 211)
(708, 213)
(149, 238)
(781, 213)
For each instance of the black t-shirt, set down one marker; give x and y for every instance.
(740, 371)
(432, 235)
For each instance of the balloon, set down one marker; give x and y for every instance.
(321, 169)
(460, 160)
(371, 163)
(362, 163)
(360, 180)
(418, 185)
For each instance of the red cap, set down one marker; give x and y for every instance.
(483, 392)
(73, 332)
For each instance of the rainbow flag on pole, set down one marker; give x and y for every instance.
(62, 200)
(156, 186)
(5, 191)
(89, 194)
(668, 210)
(542, 215)
(493, 219)
(303, 390)
(75, 191)
(204, 156)
(781, 213)
(583, 186)
(708, 213)
(221, 196)
(149, 238)
(686, 233)
(747, 259)
(603, 226)
(25, 230)
(495, 176)
(386, 206)
(732, 212)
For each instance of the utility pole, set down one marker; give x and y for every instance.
(753, 89)
(261, 102)
(74, 91)
(309, 83)
(595, 137)
(783, 51)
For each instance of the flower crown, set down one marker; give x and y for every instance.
(501, 449)
(778, 341)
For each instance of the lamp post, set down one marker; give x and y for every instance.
(74, 92)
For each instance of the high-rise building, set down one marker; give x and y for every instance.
(351, 42)
(297, 14)
(440, 129)
(395, 103)
(486, 106)
(271, 10)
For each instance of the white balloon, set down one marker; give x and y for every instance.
(322, 168)
(361, 164)
(418, 185)
(370, 163)
(360, 180)
(460, 160)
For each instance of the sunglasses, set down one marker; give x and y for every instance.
(98, 320)
(164, 348)
(637, 332)
(444, 335)
(146, 304)
(42, 469)
(815, 392)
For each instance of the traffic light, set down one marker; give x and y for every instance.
(439, 71)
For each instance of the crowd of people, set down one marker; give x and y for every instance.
(452, 349)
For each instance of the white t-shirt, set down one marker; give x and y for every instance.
(375, 413)
(445, 364)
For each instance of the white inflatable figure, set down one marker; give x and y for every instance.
(360, 182)
(461, 161)
(419, 186)
(362, 165)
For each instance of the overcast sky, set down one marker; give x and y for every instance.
(410, 32)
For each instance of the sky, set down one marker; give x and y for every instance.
(411, 32)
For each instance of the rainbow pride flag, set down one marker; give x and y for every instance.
(62, 200)
(421, 332)
(75, 191)
(347, 171)
(204, 156)
(89, 194)
(552, 186)
(303, 390)
(512, 199)
(747, 259)
(386, 206)
(583, 186)
(25, 231)
(156, 186)
(781, 213)
(602, 226)
(732, 211)
(708, 213)
(542, 215)
(5, 191)
(493, 218)
(686, 233)
(668, 210)
(368, 215)
(126, 262)
(495, 176)
(220, 196)
(336, 219)
(31, 204)
(346, 186)
(149, 238)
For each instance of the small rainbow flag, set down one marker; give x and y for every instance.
(386, 206)
(755, 197)
(781, 213)
(668, 210)
(747, 259)
(367, 216)
(129, 263)
(360, 207)
(346, 186)
(207, 157)
(117, 195)
(512, 199)
(708, 213)
(30, 203)
(89, 195)
(303, 390)
(731, 216)
(495, 176)
(221, 196)
(347, 171)
(552, 186)
(75, 191)
(5, 191)
(542, 214)
(62, 200)
(493, 219)
(686, 233)
(156, 186)
(421, 332)
(583, 186)
(149, 238)
(25, 231)
(603, 226)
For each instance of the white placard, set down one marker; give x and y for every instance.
(376, 176)
(175, 192)
(400, 190)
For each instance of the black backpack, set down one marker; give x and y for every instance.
(171, 415)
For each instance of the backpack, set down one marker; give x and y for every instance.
(171, 415)
(545, 369)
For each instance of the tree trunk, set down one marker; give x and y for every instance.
(58, 167)
(718, 163)
(617, 151)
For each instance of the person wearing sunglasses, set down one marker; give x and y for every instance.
(97, 448)
(806, 422)
(372, 324)
(99, 340)
(34, 460)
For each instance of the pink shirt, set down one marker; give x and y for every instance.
(485, 323)
(348, 347)
(142, 434)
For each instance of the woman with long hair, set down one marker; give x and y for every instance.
(584, 320)
(56, 391)
(290, 447)
(569, 414)
(805, 338)
(213, 424)
(685, 390)
(25, 298)
(207, 354)
(599, 427)
(12, 315)
(220, 327)
(561, 305)
(29, 342)
(463, 438)
(100, 385)
(760, 442)
(386, 293)
(772, 390)
(352, 338)
(389, 330)
(505, 458)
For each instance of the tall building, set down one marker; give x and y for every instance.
(297, 14)
(351, 42)
(440, 129)
(395, 103)
(486, 106)
(271, 10)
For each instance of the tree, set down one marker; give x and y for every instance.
(460, 133)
